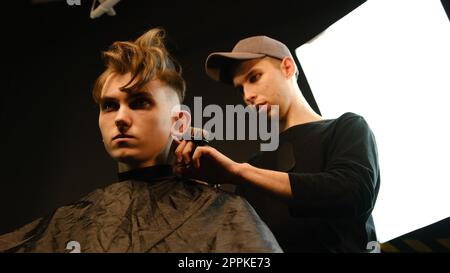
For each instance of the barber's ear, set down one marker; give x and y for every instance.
(288, 67)
(182, 123)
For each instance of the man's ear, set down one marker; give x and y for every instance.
(288, 67)
(181, 124)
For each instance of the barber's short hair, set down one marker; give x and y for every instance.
(146, 59)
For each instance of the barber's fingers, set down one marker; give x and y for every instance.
(187, 152)
(184, 151)
(179, 150)
(176, 141)
(198, 153)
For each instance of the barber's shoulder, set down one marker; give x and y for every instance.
(351, 118)
(350, 115)
(353, 125)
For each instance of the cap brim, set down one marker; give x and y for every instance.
(217, 62)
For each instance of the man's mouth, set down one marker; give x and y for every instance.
(124, 136)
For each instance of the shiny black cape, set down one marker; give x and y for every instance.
(166, 215)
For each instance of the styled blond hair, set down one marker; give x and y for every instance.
(145, 59)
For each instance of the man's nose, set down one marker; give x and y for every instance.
(123, 120)
(249, 96)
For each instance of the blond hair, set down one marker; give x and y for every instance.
(146, 59)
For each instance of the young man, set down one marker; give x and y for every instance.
(316, 192)
(149, 209)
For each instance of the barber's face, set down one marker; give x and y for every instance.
(261, 82)
(136, 127)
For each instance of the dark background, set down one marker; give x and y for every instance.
(51, 145)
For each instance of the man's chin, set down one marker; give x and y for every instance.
(125, 157)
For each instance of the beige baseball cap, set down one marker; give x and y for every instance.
(218, 64)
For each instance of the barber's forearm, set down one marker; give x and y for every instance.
(274, 182)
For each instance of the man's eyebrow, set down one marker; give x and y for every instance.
(134, 95)
(107, 98)
(252, 71)
(141, 94)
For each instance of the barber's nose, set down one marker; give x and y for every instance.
(123, 120)
(249, 96)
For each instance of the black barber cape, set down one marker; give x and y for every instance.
(148, 210)
(334, 176)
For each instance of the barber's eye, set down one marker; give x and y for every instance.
(140, 103)
(109, 106)
(254, 78)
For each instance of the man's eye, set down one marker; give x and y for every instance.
(254, 78)
(140, 103)
(109, 106)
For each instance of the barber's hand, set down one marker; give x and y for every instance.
(205, 163)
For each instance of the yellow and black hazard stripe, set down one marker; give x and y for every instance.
(430, 239)
(409, 245)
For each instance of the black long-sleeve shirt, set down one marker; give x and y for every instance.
(334, 175)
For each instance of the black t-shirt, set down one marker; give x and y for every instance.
(334, 174)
